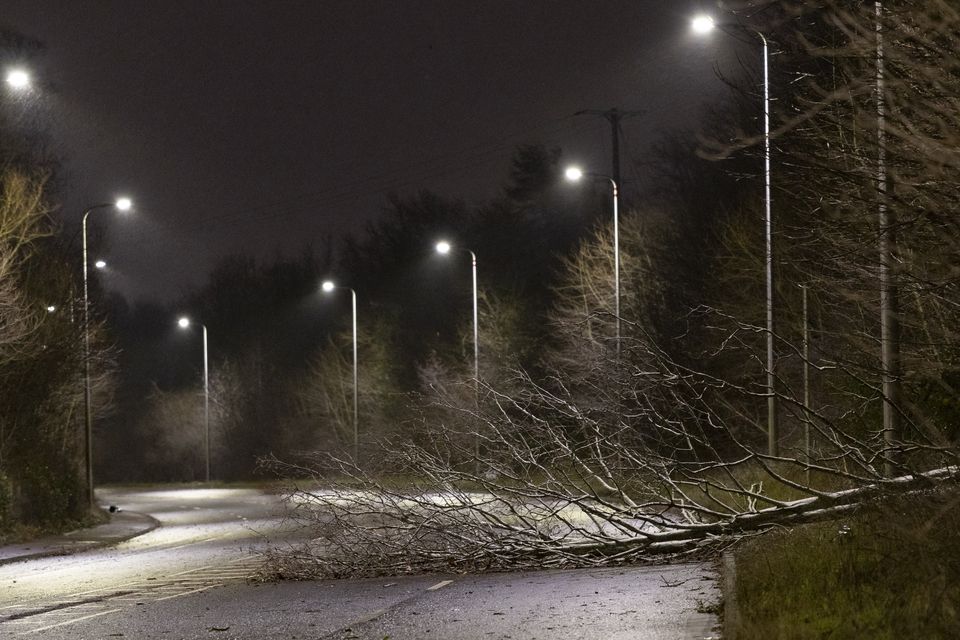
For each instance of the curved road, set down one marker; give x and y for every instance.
(188, 579)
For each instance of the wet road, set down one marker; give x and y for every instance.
(187, 579)
(207, 537)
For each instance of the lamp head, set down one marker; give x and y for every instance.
(328, 286)
(100, 264)
(18, 79)
(702, 24)
(51, 308)
(184, 322)
(124, 204)
(443, 247)
(573, 174)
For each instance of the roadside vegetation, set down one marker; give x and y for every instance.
(888, 572)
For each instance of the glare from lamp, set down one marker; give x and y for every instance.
(328, 286)
(443, 247)
(184, 322)
(702, 24)
(100, 264)
(573, 174)
(51, 308)
(124, 204)
(18, 79)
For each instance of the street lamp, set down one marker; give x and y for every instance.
(100, 264)
(575, 174)
(702, 25)
(18, 79)
(329, 287)
(123, 204)
(443, 248)
(184, 323)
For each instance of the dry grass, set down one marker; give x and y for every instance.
(892, 571)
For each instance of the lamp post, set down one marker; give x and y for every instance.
(329, 287)
(443, 248)
(184, 323)
(889, 311)
(575, 174)
(123, 204)
(703, 25)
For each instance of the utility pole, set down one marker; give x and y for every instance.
(613, 116)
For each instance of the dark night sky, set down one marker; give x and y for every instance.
(261, 126)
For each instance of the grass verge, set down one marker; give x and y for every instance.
(891, 571)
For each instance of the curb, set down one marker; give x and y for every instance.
(65, 546)
(731, 612)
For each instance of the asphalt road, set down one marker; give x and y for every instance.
(188, 579)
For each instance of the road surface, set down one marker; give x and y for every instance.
(189, 579)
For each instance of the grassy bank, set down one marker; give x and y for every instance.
(891, 571)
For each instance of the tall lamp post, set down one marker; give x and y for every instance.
(329, 287)
(184, 323)
(123, 204)
(889, 312)
(703, 25)
(575, 174)
(443, 248)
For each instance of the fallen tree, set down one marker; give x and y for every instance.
(529, 480)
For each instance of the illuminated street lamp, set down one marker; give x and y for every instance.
(703, 25)
(575, 174)
(123, 204)
(18, 79)
(329, 287)
(184, 323)
(443, 248)
(100, 264)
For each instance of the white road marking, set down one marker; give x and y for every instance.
(440, 585)
(66, 622)
(186, 593)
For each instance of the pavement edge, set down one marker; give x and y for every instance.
(731, 612)
(70, 546)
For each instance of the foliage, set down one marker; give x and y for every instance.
(890, 571)
(40, 365)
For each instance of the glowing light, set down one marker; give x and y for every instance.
(124, 204)
(184, 322)
(100, 264)
(573, 174)
(51, 308)
(702, 24)
(443, 247)
(328, 286)
(18, 79)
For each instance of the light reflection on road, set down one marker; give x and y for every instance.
(207, 537)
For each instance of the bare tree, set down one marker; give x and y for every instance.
(603, 457)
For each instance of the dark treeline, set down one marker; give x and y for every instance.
(280, 347)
